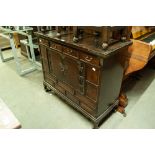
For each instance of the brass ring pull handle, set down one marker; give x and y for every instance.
(69, 51)
(52, 45)
(87, 58)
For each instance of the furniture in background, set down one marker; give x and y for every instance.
(8, 33)
(137, 56)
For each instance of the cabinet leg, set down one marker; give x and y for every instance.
(53, 92)
(123, 100)
(121, 110)
(136, 76)
(96, 126)
(46, 88)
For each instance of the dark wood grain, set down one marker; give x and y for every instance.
(86, 76)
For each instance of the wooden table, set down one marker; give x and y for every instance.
(7, 118)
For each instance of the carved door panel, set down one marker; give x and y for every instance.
(56, 64)
(67, 70)
(71, 73)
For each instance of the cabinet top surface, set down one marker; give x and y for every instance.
(87, 43)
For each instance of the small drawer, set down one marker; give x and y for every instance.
(91, 91)
(86, 101)
(70, 51)
(92, 74)
(89, 59)
(44, 42)
(56, 46)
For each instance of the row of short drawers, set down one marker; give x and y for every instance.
(71, 52)
(76, 97)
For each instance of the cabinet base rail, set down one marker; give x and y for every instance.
(97, 121)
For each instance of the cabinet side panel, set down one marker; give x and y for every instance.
(111, 80)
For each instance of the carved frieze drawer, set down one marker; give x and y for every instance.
(56, 46)
(89, 59)
(70, 51)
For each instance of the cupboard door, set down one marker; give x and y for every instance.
(92, 74)
(71, 72)
(56, 64)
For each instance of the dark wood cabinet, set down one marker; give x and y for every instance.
(88, 78)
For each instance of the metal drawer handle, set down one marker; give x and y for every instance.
(81, 69)
(87, 58)
(53, 45)
(62, 69)
(81, 80)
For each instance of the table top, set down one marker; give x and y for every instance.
(88, 43)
